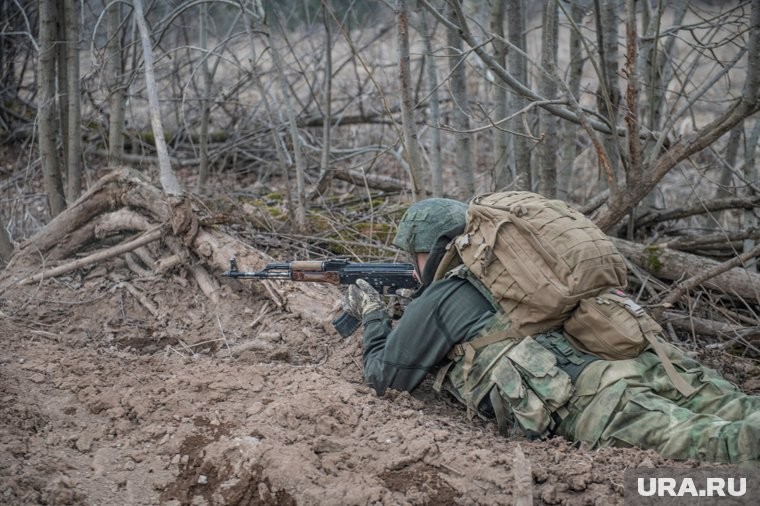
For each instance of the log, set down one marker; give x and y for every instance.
(383, 183)
(672, 265)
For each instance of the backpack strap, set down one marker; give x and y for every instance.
(650, 329)
(449, 260)
(467, 349)
(681, 385)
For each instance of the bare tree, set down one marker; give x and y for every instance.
(431, 72)
(666, 150)
(325, 174)
(408, 123)
(295, 138)
(46, 116)
(608, 92)
(6, 245)
(502, 138)
(569, 144)
(517, 66)
(460, 113)
(206, 99)
(167, 177)
(74, 114)
(114, 70)
(548, 122)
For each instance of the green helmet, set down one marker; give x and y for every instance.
(427, 220)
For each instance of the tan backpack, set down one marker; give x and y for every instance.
(549, 267)
(538, 258)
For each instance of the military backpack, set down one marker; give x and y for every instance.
(550, 268)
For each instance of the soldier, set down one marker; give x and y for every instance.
(541, 385)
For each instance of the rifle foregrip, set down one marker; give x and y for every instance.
(346, 324)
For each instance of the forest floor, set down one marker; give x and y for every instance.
(103, 403)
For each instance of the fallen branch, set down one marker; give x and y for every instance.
(141, 298)
(704, 207)
(384, 183)
(721, 240)
(105, 254)
(673, 265)
(696, 280)
(701, 326)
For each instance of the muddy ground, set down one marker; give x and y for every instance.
(103, 403)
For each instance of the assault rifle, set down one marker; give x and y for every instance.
(386, 278)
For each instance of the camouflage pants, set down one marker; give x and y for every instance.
(633, 403)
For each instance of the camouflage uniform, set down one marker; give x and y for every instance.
(541, 385)
(633, 403)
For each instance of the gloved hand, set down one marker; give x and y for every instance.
(361, 299)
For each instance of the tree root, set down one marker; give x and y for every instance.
(124, 202)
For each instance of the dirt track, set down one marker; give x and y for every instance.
(102, 403)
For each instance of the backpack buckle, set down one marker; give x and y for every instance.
(455, 352)
(633, 308)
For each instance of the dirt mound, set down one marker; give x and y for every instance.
(102, 402)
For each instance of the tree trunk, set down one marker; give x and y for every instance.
(460, 114)
(300, 165)
(168, 179)
(501, 142)
(751, 217)
(6, 245)
(569, 146)
(205, 100)
(518, 68)
(431, 70)
(62, 92)
(114, 69)
(408, 123)
(325, 174)
(548, 122)
(608, 93)
(47, 108)
(74, 130)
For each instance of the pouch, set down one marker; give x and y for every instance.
(611, 326)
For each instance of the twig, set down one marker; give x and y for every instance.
(262, 313)
(226, 344)
(276, 297)
(141, 298)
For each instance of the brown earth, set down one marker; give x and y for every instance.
(102, 403)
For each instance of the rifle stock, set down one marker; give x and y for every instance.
(386, 278)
